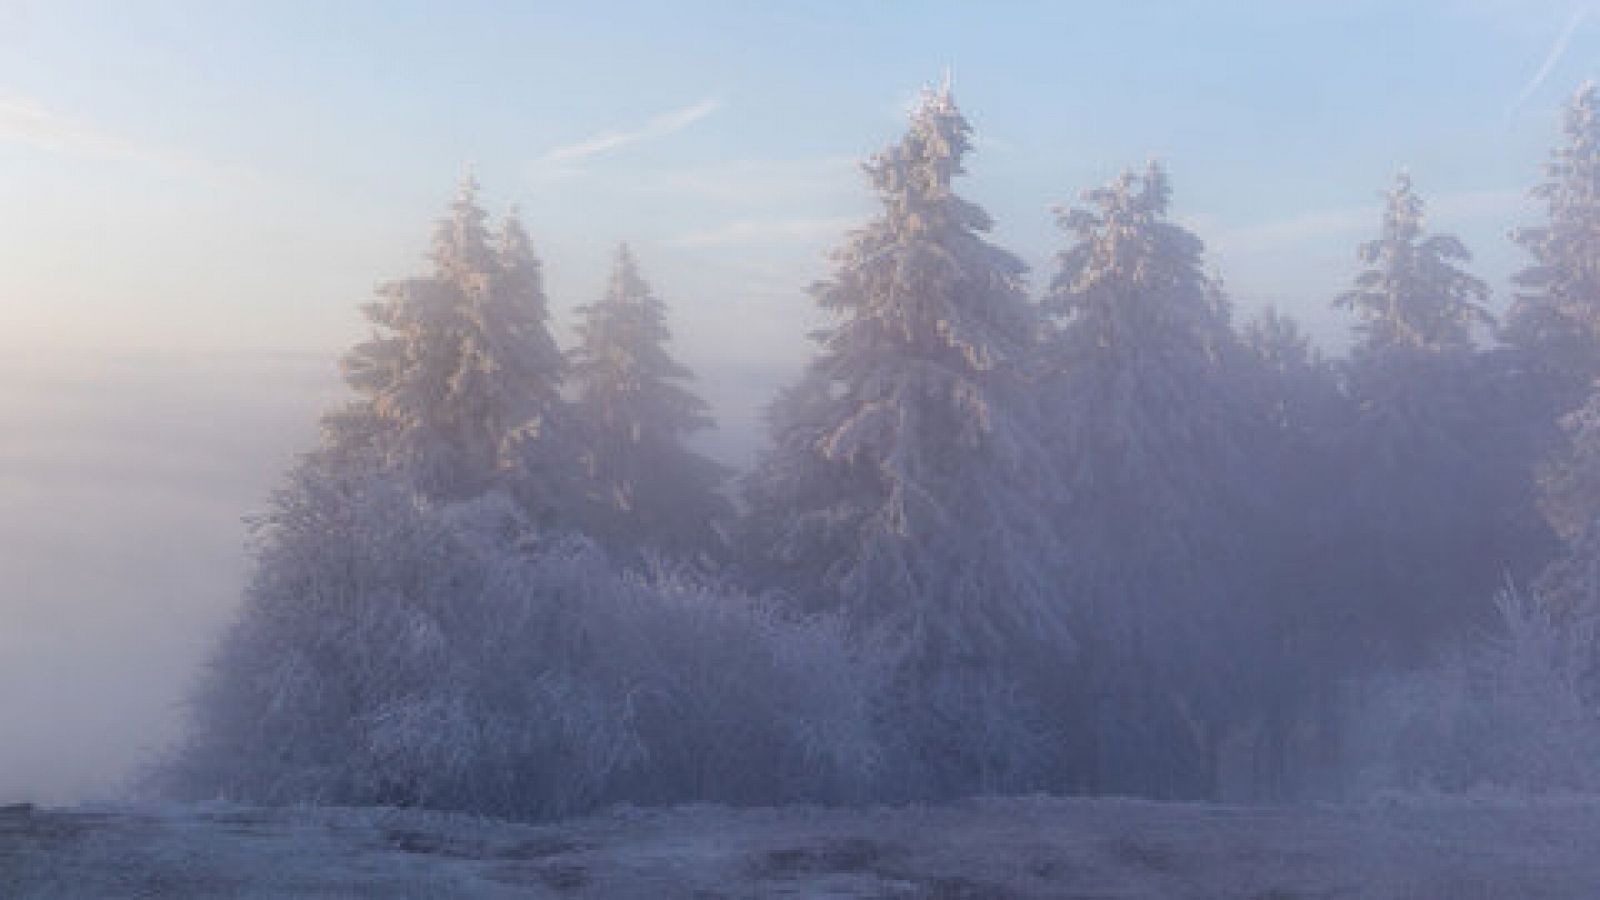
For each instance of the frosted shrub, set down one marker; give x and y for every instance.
(391, 652)
(1507, 714)
(737, 704)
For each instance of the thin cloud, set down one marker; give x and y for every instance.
(568, 158)
(1478, 205)
(747, 232)
(1355, 221)
(751, 181)
(25, 122)
(1551, 59)
(1296, 230)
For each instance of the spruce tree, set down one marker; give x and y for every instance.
(1298, 386)
(403, 641)
(1554, 332)
(1436, 510)
(901, 485)
(1158, 491)
(1412, 293)
(1555, 320)
(1570, 496)
(519, 371)
(644, 489)
(1299, 671)
(459, 384)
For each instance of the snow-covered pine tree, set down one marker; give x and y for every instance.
(1437, 510)
(1159, 490)
(518, 370)
(901, 487)
(1299, 386)
(459, 384)
(1555, 319)
(793, 535)
(644, 489)
(1570, 497)
(1554, 332)
(1299, 672)
(1412, 293)
(402, 641)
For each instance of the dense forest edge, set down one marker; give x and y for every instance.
(1099, 539)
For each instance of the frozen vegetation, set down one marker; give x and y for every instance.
(1107, 542)
(1099, 541)
(994, 849)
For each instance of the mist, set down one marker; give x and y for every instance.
(128, 479)
(126, 483)
(535, 413)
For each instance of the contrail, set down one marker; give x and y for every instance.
(1557, 50)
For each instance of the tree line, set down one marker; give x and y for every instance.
(1103, 540)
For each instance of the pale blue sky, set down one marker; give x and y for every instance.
(194, 197)
(235, 176)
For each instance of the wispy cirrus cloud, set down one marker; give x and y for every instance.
(28, 123)
(1279, 233)
(1551, 59)
(746, 232)
(760, 181)
(569, 159)
(1354, 221)
(1481, 204)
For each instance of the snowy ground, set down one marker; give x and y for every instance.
(981, 849)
